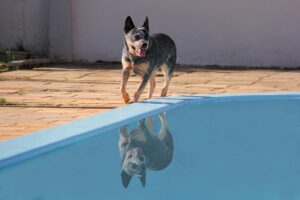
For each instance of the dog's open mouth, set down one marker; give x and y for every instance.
(140, 52)
(138, 151)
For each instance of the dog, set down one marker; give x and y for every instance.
(145, 54)
(141, 150)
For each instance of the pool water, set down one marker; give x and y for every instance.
(229, 149)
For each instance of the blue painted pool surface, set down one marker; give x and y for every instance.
(225, 147)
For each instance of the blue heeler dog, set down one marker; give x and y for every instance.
(145, 54)
(142, 149)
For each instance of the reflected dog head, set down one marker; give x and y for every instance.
(134, 159)
(134, 163)
(142, 149)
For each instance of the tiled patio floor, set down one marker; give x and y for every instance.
(48, 96)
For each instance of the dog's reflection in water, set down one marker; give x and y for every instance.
(141, 149)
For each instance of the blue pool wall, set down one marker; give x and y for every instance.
(22, 148)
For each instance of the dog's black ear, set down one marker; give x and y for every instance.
(143, 179)
(146, 24)
(129, 25)
(125, 178)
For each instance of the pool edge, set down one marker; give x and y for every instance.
(41, 142)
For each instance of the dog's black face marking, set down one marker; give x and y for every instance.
(139, 34)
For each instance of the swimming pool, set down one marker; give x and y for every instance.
(188, 147)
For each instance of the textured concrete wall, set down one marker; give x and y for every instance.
(60, 32)
(207, 32)
(24, 21)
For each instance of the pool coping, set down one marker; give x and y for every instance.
(37, 143)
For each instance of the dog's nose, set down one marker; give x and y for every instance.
(144, 45)
(141, 158)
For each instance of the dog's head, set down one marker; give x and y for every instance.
(134, 164)
(137, 39)
(133, 158)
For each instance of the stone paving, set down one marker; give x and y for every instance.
(44, 97)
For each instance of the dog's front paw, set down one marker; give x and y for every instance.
(126, 97)
(131, 101)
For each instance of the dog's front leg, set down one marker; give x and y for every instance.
(123, 140)
(152, 87)
(125, 76)
(146, 125)
(149, 73)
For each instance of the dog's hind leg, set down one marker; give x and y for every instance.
(163, 120)
(149, 123)
(167, 71)
(123, 140)
(165, 135)
(152, 86)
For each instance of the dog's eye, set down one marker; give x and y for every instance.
(133, 47)
(130, 156)
(134, 166)
(137, 37)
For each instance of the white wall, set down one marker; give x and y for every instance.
(24, 21)
(207, 32)
(60, 30)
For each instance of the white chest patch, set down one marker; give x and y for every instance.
(140, 69)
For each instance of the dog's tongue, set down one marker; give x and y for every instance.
(139, 150)
(141, 52)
